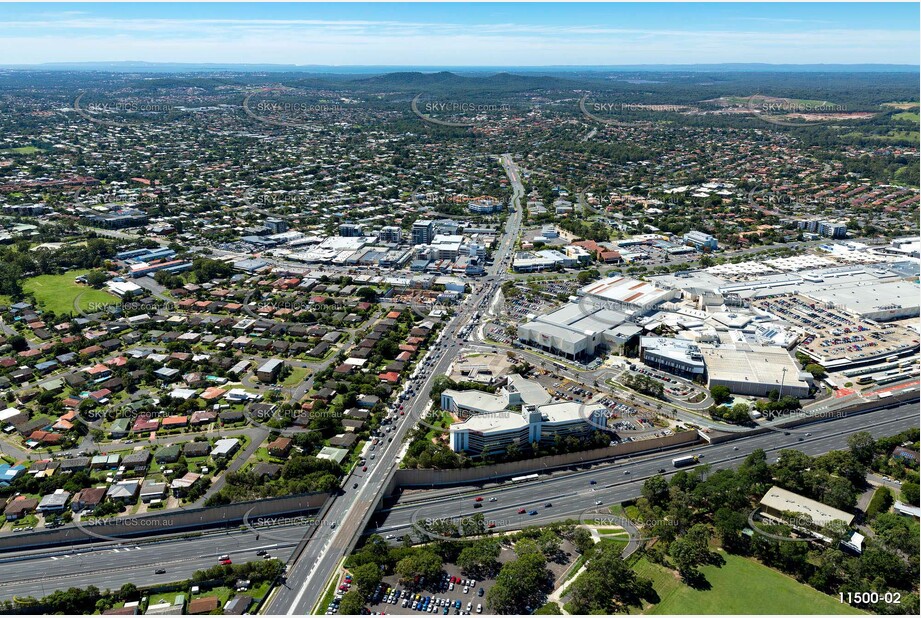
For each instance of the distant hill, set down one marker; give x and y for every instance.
(316, 69)
(447, 81)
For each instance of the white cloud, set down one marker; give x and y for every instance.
(77, 37)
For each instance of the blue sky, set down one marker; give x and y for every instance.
(418, 34)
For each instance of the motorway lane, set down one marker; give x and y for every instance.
(310, 574)
(571, 494)
(38, 573)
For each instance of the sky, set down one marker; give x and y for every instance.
(457, 35)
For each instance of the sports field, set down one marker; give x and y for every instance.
(741, 586)
(58, 292)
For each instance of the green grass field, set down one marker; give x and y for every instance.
(297, 375)
(909, 116)
(58, 292)
(741, 586)
(22, 150)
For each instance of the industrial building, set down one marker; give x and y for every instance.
(755, 371)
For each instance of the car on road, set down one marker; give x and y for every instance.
(364, 468)
(548, 505)
(661, 471)
(354, 485)
(491, 524)
(493, 499)
(225, 561)
(477, 505)
(478, 499)
(521, 511)
(597, 502)
(159, 571)
(532, 512)
(261, 552)
(593, 482)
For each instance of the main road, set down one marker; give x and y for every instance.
(38, 573)
(571, 494)
(349, 513)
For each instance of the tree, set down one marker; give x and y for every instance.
(367, 294)
(582, 540)
(608, 585)
(863, 446)
(910, 493)
(655, 489)
(480, 558)
(720, 394)
(520, 584)
(367, 576)
(352, 603)
(729, 525)
(18, 343)
(424, 563)
(550, 609)
(817, 371)
(839, 493)
(95, 278)
(691, 551)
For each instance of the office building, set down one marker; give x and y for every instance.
(423, 232)
(351, 230)
(700, 240)
(390, 234)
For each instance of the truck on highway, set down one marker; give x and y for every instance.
(687, 460)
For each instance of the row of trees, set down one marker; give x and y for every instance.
(684, 513)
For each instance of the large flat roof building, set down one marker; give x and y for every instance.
(755, 370)
(575, 331)
(778, 501)
(627, 294)
(517, 391)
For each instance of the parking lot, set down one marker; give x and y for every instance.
(834, 334)
(453, 594)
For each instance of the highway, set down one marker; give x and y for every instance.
(38, 573)
(571, 494)
(308, 577)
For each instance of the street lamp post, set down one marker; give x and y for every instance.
(782, 376)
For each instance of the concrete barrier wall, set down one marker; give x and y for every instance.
(168, 522)
(826, 415)
(430, 477)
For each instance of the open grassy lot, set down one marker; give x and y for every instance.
(297, 375)
(58, 292)
(741, 586)
(21, 150)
